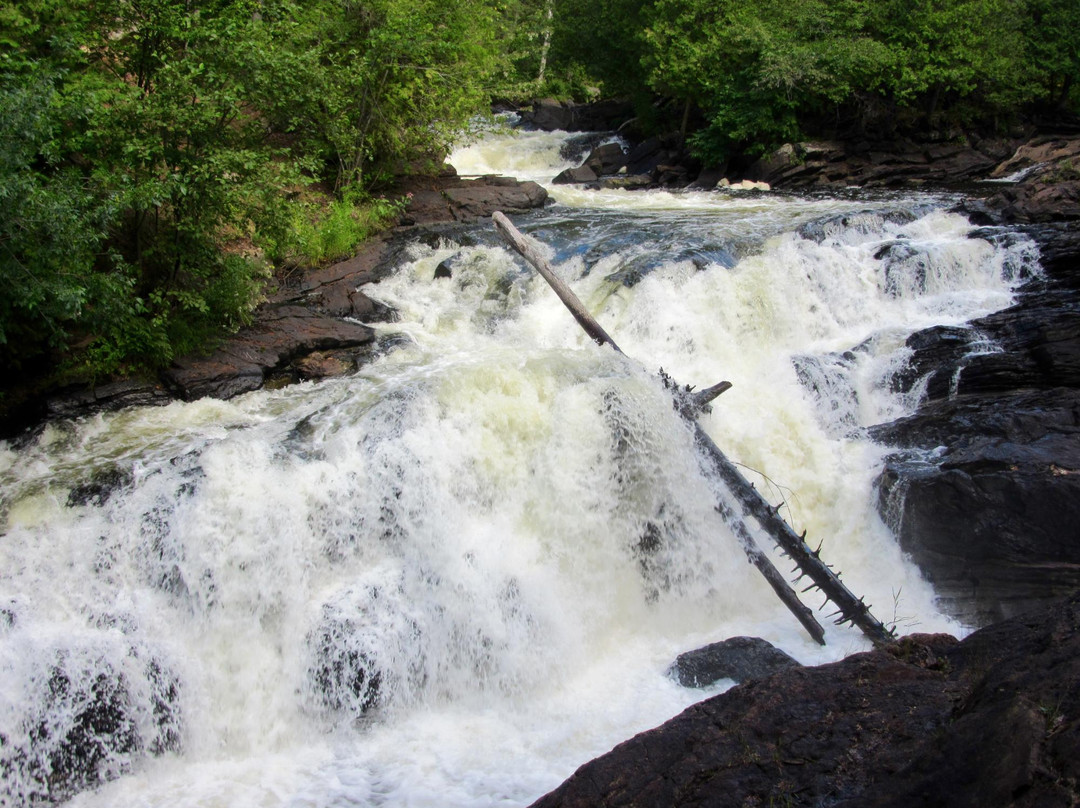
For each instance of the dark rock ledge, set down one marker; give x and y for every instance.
(929, 721)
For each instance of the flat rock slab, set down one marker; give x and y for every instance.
(455, 199)
(280, 334)
(990, 721)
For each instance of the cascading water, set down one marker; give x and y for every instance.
(454, 577)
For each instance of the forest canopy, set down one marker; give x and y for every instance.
(755, 73)
(161, 158)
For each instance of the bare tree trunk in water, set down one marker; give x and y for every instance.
(752, 504)
(549, 14)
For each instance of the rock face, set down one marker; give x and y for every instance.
(602, 116)
(985, 495)
(900, 163)
(990, 721)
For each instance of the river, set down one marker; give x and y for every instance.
(452, 578)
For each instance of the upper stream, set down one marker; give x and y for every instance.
(454, 577)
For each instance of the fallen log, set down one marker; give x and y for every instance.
(850, 608)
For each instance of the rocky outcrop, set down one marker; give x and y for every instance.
(984, 494)
(449, 198)
(892, 164)
(990, 721)
(279, 335)
(600, 116)
(661, 161)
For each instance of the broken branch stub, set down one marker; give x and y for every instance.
(689, 404)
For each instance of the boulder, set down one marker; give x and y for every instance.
(737, 658)
(606, 159)
(89, 721)
(992, 720)
(454, 199)
(597, 116)
(575, 175)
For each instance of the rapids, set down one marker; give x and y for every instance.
(454, 577)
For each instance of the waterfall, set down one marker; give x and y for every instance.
(455, 576)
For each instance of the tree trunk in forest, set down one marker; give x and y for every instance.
(549, 15)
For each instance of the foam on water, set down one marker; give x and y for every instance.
(454, 577)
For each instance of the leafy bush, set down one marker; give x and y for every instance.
(318, 230)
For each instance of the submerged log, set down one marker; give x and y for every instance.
(850, 608)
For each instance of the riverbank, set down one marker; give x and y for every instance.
(310, 325)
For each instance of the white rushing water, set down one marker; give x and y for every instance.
(454, 577)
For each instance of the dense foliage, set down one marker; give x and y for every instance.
(758, 72)
(159, 157)
(156, 153)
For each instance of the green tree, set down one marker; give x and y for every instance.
(758, 69)
(151, 145)
(1052, 34)
(952, 51)
(390, 82)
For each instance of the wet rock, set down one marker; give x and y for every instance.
(606, 159)
(577, 148)
(324, 365)
(449, 198)
(936, 353)
(647, 156)
(707, 179)
(279, 335)
(738, 658)
(630, 182)
(599, 116)
(888, 163)
(347, 679)
(1037, 201)
(992, 720)
(443, 270)
(993, 525)
(471, 202)
(668, 176)
(575, 175)
(89, 724)
(100, 487)
(73, 402)
(983, 491)
(364, 649)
